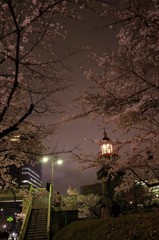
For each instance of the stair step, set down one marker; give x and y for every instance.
(36, 234)
(42, 222)
(37, 225)
(36, 231)
(36, 238)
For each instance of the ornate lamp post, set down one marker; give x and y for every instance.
(107, 153)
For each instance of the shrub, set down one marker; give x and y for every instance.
(141, 226)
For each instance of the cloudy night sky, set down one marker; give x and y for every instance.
(79, 35)
(74, 73)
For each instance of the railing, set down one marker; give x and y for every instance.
(27, 205)
(10, 194)
(49, 212)
(6, 191)
(25, 222)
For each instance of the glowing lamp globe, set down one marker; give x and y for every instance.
(106, 145)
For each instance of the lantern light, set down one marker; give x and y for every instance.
(106, 145)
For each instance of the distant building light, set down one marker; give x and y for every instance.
(27, 173)
(14, 234)
(10, 219)
(26, 181)
(4, 226)
(15, 138)
(32, 183)
(26, 168)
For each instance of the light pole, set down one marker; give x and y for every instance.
(109, 181)
(53, 162)
(106, 152)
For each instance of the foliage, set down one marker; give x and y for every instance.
(125, 88)
(85, 203)
(20, 216)
(18, 150)
(29, 73)
(136, 226)
(32, 74)
(72, 191)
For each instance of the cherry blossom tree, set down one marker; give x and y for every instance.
(28, 64)
(85, 203)
(125, 88)
(16, 151)
(32, 75)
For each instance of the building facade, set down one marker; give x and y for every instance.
(27, 175)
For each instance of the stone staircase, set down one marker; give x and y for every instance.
(37, 226)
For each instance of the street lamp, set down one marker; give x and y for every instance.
(106, 145)
(108, 180)
(106, 153)
(53, 162)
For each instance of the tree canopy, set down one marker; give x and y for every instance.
(125, 86)
(31, 75)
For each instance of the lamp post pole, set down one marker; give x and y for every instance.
(106, 151)
(108, 182)
(58, 162)
(52, 167)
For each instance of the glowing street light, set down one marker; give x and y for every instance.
(45, 159)
(53, 162)
(107, 153)
(106, 145)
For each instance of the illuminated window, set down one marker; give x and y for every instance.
(106, 148)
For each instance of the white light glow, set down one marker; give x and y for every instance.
(45, 159)
(106, 148)
(60, 161)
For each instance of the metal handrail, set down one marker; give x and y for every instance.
(27, 216)
(25, 222)
(49, 211)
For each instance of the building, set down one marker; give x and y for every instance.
(31, 175)
(27, 175)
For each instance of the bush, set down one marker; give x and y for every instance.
(141, 226)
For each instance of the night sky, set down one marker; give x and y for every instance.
(79, 35)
